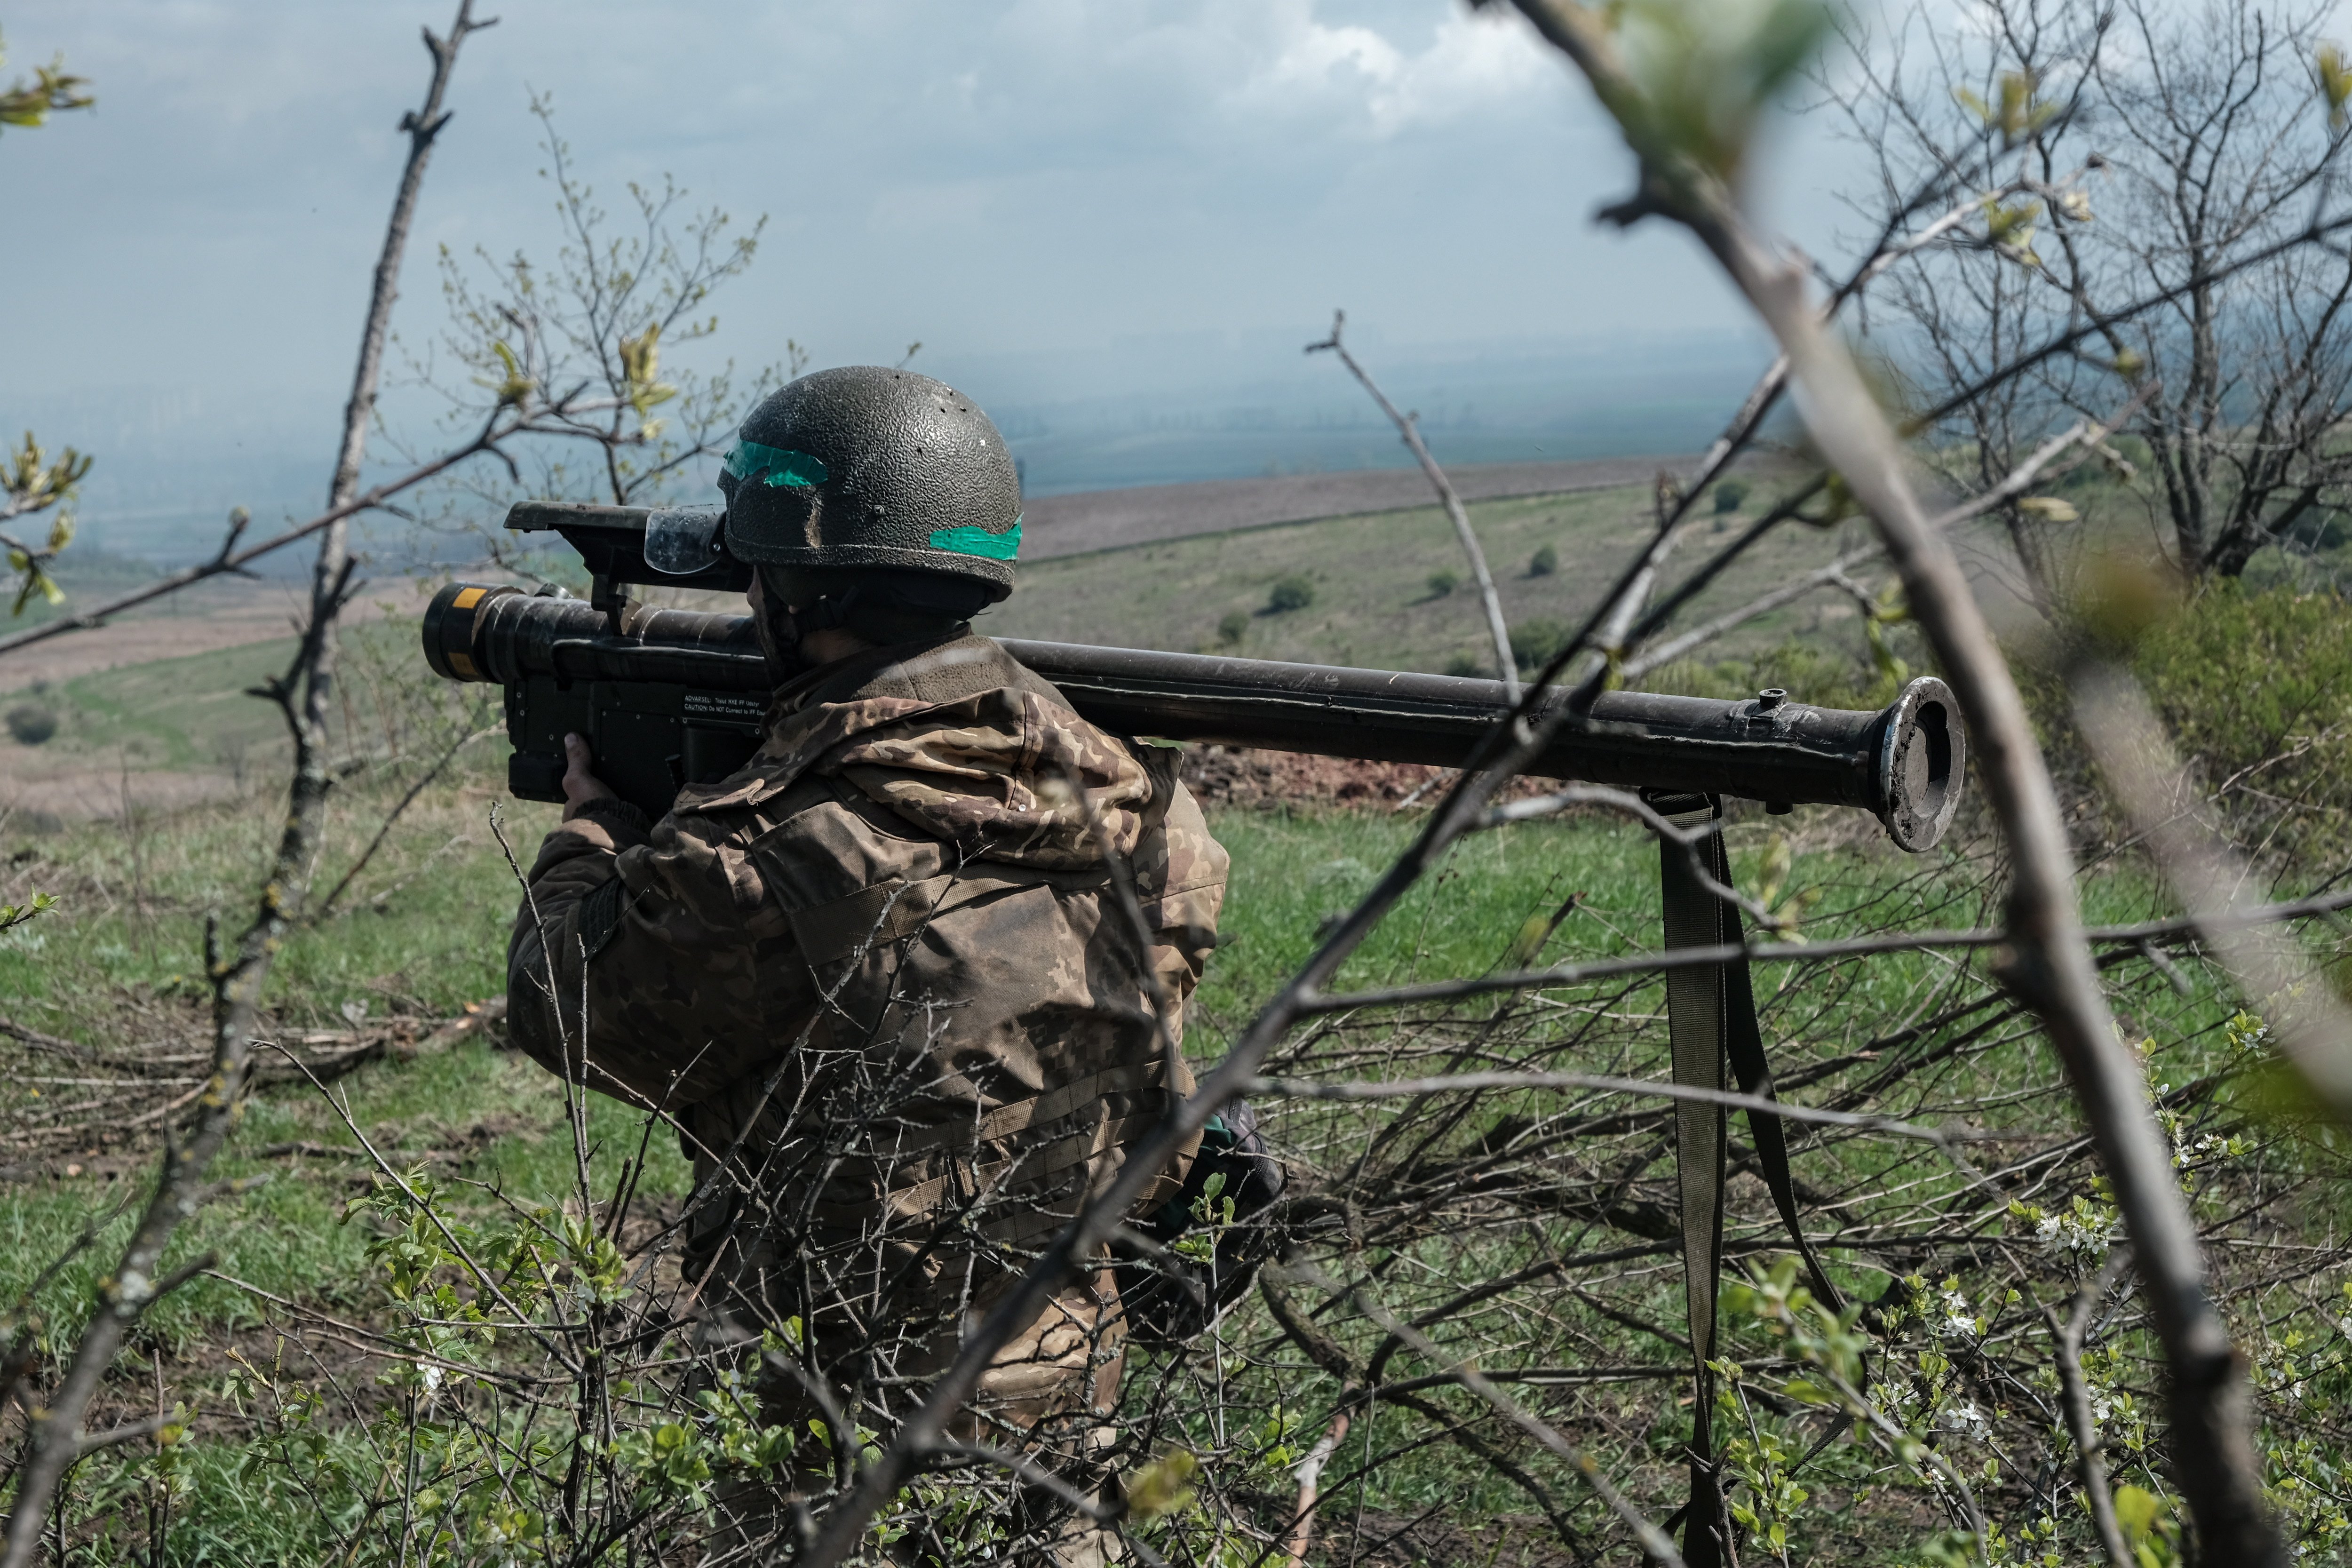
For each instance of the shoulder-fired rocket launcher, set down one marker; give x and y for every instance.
(673, 697)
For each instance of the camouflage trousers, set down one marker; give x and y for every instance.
(1045, 1399)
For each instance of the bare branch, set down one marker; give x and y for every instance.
(2312, 1027)
(1788, 593)
(230, 560)
(2028, 473)
(423, 782)
(2138, 935)
(1686, 839)
(54, 1438)
(1655, 1541)
(2066, 1335)
(423, 126)
(1409, 429)
(1599, 1083)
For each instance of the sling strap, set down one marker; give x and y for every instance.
(1711, 1015)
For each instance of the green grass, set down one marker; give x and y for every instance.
(438, 942)
(286, 1235)
(194, 712)
(137, 900)
(1292, 871)
(124, 953)
(175, 713)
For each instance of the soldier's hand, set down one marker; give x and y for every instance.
(581, 784)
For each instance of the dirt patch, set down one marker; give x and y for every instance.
(223, 613)
(69, 779)
(42, 801)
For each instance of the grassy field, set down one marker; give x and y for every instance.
(1373, 604)
(154, 736)
(424, 934)
(120, 958)
(192, 712)
(175, 713)
(122, 954)
(421, 934)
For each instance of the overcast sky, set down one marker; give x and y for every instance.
(1062, 199)
(984, 176)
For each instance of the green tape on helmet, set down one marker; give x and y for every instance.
(774, 465)
(980, 542)
(881, 469)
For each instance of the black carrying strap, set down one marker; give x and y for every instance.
(1711, 1015)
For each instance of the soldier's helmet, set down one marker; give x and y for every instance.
(866, 469)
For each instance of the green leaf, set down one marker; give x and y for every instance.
(1164, 1486)
(1703, 73)
(2334, 77)
(1529, 943)
(2140, 1512)
(2049, 509)
(13, 915)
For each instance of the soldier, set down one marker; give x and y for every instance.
(882, 977)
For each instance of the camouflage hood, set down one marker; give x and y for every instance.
(959, 741)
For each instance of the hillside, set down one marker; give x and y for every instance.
(1373, 600)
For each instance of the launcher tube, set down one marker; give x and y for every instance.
(1903, 763)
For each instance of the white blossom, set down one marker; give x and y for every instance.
(2072, 1234)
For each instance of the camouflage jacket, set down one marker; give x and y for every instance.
(889, 951)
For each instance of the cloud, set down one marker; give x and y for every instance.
(1316, 65)
(1020, 175)
(1368, 86)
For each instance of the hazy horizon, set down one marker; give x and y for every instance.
(171, 461)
